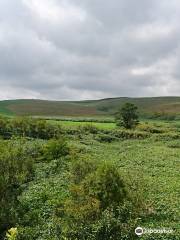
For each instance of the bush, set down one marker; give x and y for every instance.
(43, 130)
(106, 138)
(81, 167)
(28, 127)
(99, 206)
(125, 134)
(16, 168)
(168, 136)
(151, 129)
(2, 126)
(89, 128)
(114, 135)
(55, 148)
(106, 184)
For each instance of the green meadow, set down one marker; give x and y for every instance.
(88, 180)
(76, 124)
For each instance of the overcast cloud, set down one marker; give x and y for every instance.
(89, 49)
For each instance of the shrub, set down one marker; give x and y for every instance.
(2, 126)
(151, 129)
(124, 134)
(89, 128)
(55, 148)
(99, 207)
(106, 138)
(19, 126)
(16, 167)
(81, 167)
(168, 136)
(42, 129)
(28, 127)
(106, 184)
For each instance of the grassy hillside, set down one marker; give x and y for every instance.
(90, 108)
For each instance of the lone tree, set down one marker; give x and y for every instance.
(127, 116)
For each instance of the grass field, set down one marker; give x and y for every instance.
(155, 166)
(152, 164)
(111, 125)
(75, 124)
(147, 158)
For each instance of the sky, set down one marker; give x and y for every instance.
(89, 49)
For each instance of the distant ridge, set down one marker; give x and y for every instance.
(89, 108)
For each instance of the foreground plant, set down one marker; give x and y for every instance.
(12, 234)
(99, 207)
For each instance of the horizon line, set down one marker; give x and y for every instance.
(81, 100)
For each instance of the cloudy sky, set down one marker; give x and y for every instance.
(89, 49)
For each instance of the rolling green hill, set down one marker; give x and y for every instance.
(90, 108)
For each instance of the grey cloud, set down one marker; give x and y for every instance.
(89, 49)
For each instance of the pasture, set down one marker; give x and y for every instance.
(75, 124)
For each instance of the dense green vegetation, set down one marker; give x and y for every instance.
(157, 107)
(77, 180)
(128, 116)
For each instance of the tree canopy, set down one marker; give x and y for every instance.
(127, 116)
